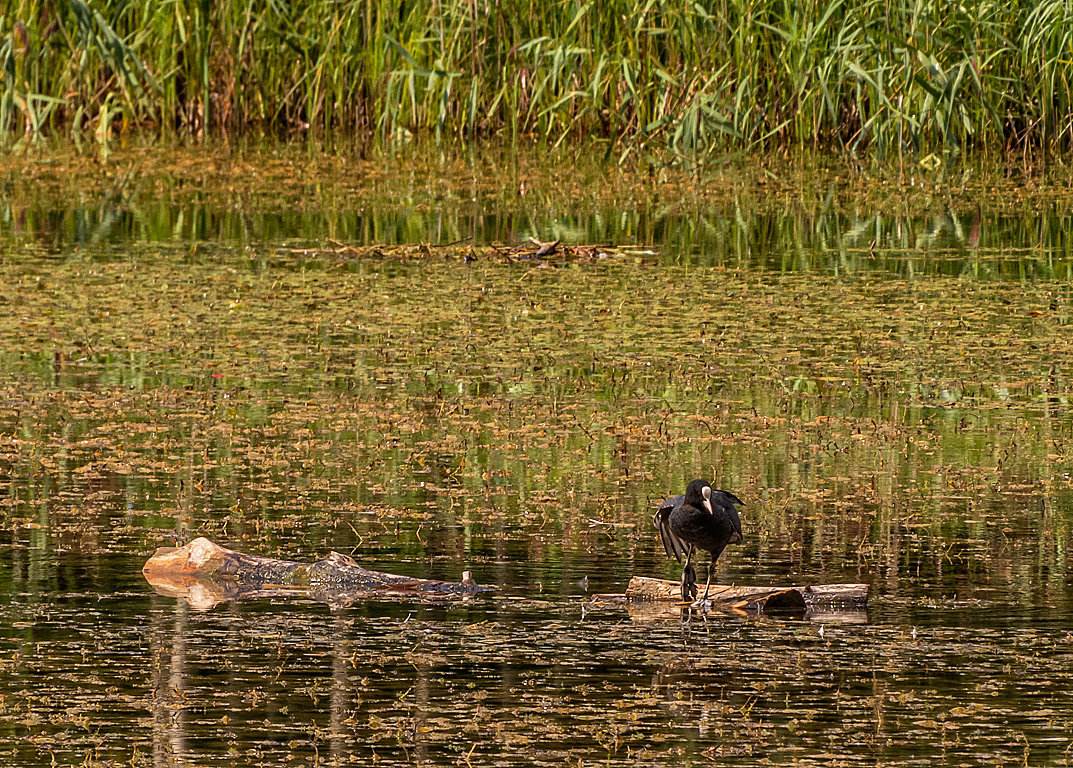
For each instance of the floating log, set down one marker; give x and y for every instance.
(833, 599)
(644, 588)
(204, 574)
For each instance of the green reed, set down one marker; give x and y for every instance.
(885, 78)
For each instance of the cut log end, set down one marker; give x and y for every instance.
(196, 557)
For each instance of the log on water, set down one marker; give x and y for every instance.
(644, 588)
(204, 574)
(823, 598)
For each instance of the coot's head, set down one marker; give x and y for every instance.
(699, 494)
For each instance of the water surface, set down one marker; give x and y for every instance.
(886, 384)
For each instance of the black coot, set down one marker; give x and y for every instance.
(701, 518)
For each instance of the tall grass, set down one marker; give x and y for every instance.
(691, 78)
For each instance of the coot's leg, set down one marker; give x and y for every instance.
(689, 579)
(689, 584)
(708, 585)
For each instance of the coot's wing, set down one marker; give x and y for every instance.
(723, 509)
(672, 545)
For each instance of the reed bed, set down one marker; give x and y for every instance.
(694, 79)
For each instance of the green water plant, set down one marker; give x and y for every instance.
(881, 78)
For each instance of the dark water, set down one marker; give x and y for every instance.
(889, 390)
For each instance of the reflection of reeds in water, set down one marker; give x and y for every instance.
(839, 230)
(690, 78)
